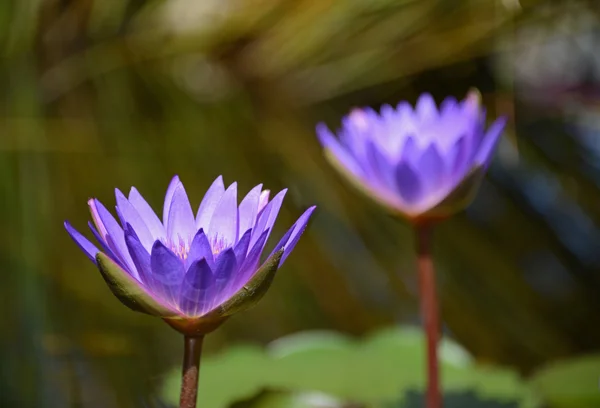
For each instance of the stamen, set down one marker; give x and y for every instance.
(218, 244)
(181, 249)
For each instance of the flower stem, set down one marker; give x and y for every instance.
(191, 370)
(429, 312)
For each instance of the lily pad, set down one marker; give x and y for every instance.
(370, 371)
(573, 383)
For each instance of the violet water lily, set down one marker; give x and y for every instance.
(424, 164)
(193, 270)
(421, 163)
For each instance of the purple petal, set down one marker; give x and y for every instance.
(181, 224)
(275, 207)
(167, 272)
(223, 225)
(104, 245)
(140, 257)
(130, 216)
(155, 226)
(130, 267)
(408, 183)
(297, 230)
(406, 116)
(225, 266)
(410, 150)
(360, 119)
(200, 248)
(112, 233)
(209, 203)
(197, 289)
(381, 166)
(476, 134)
(96, 217)
(241, 248)
(268, 216)
(263, 200)
(431, 168)
(340, 153)
(426, 108)
(457, 160)
(168, 198)
(353, 140)
(283, 241)
(472, 103)
(81, 241)
(248, 210)
(484, 155)
(448, 105)
(248, 267)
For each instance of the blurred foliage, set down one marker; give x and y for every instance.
(573, 383)
(371, 371)
(100, 94)
(465, 399)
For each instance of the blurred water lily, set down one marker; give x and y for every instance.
(423, 163)
(193, 271)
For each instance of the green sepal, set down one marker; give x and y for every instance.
(252, 291)
(129, 291)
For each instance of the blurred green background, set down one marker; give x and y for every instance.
(98, 94)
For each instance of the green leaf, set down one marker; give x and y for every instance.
(279, 398)
(129, 291)
(377, 369)
(573, 383)
(462, 399)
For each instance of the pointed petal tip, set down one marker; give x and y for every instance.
(127, 228)
(219, 181)
(82, 242)
(473, 95)
(321, 127)
(501, 120)
(290, 239)
(308, 212)
(158, 244)
(174, 183)
(324, 135)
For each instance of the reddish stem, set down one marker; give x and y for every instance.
(429, 312)
(191, 371)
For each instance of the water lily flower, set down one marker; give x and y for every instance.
(423, 163)
(194, 271)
